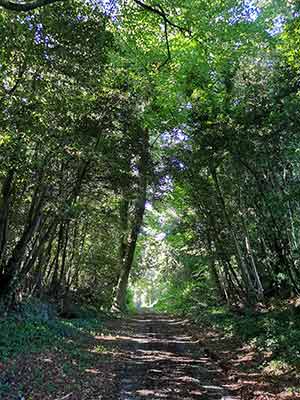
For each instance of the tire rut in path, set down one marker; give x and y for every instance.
(161, 361)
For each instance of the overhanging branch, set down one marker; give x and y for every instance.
(28, 6)
(167, 44)
(24, 6)
(160, 11)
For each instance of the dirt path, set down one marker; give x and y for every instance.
(156, 359)
(144, 357)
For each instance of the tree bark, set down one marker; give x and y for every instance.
(119, 302)
(33, 225)
(250, 290)
(5, 203)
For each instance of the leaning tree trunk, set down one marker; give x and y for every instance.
(128, 251)
(10, 270)
(250, 290)
(214, 273)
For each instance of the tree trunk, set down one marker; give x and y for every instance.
(257, 280)
(9, 276)
(5, 201)
(215, 277)
(119, 302)
(251, 295)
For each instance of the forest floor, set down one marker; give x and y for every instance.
(142, 357)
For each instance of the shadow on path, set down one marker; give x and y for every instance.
(158, 360)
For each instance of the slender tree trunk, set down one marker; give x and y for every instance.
(235, 287)
(214, 272)
(43, 238)
(251, 295)
(119, 302)
(258, 282)
(277, 232)
(41, 267)
(54, 280)
(70, 266)
(62, 278)
(8, 277)
(5, 202)
(74, 279)
(120, 298)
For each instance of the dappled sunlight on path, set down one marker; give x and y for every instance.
(157, 359)
(148, 357)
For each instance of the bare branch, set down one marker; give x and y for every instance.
(25, 6)
(32, 5)
(19, 78)
(167, 44)
(160, 11)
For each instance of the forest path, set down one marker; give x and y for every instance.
(158, 358)
(140, 357)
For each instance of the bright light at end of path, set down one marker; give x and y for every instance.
(160, 236)
(149, 206)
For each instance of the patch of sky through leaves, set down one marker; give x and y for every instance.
(109, 7)
(248, 11)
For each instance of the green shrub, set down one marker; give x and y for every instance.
(33, 336)
(276, 331)
(130, 306)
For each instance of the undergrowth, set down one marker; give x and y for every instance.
(274, 329)
(30, 336)
(41, 358)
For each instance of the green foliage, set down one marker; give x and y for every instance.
(27, 336)
(215, 86)
(183, 298)
(130, 306)
(35, 310)
(276, 331)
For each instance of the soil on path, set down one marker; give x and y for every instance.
(158, 359)
(143, 357)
